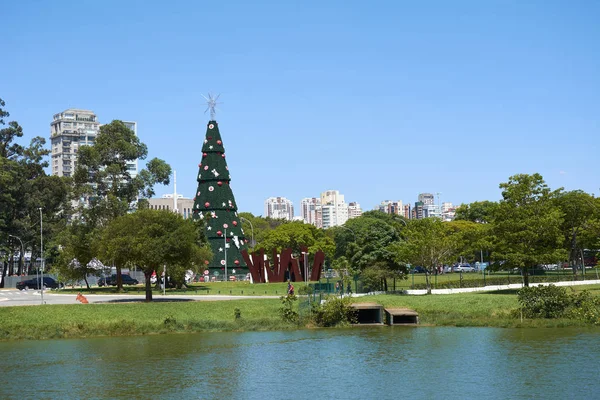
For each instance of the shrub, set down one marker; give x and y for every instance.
(544, 301)
(585, 307)
(335, 311)
(287, 312)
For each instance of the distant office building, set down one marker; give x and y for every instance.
(310, 210)
(173, 202)
(279, 208)
(391, 207)
(167, 202)
(69, 130)
(354, 210)
(334, 210)
(426, 198)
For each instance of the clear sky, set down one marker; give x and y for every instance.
(376, 99)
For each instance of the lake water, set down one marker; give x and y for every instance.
(354, 363)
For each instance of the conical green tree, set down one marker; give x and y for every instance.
(215, 204)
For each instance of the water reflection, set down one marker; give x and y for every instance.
(356, 363)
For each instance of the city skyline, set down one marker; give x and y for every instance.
(378, 102)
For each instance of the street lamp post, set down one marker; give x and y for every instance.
(225, 250)
(41, 255)
(22, 258)
(251, 228)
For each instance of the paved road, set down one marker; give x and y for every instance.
(14, 297)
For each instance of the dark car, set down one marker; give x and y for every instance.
(419, 270)
(34, 283)
(112, 280)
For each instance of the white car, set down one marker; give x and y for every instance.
(464, 268)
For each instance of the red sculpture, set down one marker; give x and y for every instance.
(284, 267)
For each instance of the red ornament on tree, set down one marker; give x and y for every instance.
(225, 226)
(199, 165)
(219, 233)
(204, 154)
(207, 204)
(236, 262)
(219, 142)
(234, 223)
(223, 155)
(220, 183)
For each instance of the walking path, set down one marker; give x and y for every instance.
(14, 297)
(492, 288)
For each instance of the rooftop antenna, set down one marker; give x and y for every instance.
(212, 104)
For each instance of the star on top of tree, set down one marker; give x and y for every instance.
(212, 104)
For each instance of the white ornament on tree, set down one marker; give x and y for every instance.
(214, 171)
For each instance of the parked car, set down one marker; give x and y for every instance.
(112, 280)
(34, 283)
(418, 270)
(464, 268)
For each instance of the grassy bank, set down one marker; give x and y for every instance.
(79, 320)
(493, 309)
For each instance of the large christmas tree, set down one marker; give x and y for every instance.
(215, 204)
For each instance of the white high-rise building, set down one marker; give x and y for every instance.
(279, 208)
(132, 166)
(448, 211)
(354, 210)
(310, 209)
(73, 128)
(334, 210)
(69, 130)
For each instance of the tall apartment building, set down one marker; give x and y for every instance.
(132, 166)
(448, 211)
(354, 210)
(334, 210)
(310, 210)
(73, 128)
(391, 207)
(279, 208)
(417, 211)
(426, 198)
(69, 130)
(406, 211)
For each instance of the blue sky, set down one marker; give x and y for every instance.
(379, 100)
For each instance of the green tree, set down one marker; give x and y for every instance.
(479, 211)
(579, 224)
(102, 183)
(24, 189)
(153, 239)
(297, 235)
(470, 238)
(367, 242)
(527, 225)
(76, 259)
(428, 243)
